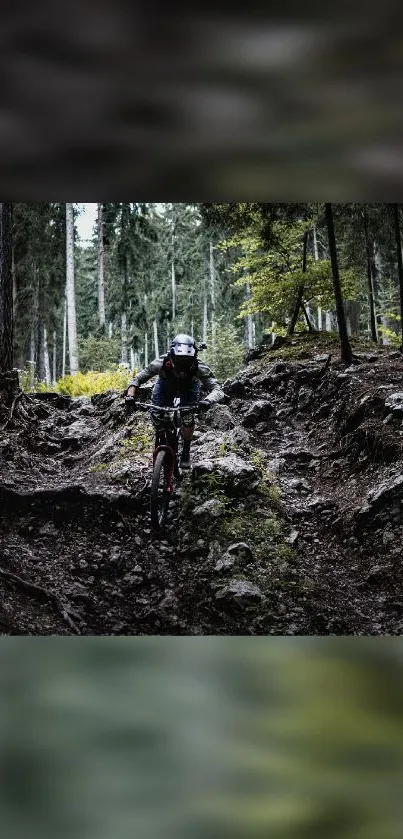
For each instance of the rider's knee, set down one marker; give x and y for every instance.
(187, 419)
(157, 420)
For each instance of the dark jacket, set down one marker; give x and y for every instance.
(163, 368)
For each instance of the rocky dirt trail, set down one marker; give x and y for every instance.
(290, 523)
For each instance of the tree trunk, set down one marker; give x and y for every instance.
(315, 244)
(32, 357)
(14, 284)
(370, 278)
(319, 319)
(64, 338)
(54, 358)
(6, 289)
(101, 283)
(146, 349)
(123, 332)
(173, 278)
(399, 264)
(345, 348)
(249, 323)
(70, 291)
(300, 290)
(123, 314)
(205, 312)
(212, 298)
(131, 358)
(46, 361)
(156, 348)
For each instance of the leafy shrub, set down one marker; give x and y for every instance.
(92, 382)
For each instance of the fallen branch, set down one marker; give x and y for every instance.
(32, 588)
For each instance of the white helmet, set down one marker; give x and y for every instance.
(183, 353)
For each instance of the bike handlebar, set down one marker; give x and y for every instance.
(168, 408)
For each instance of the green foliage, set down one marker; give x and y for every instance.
(393, 338)
(99, 467)
(140, 440)
(275, 274)
(91, 383)
(209, 485)
(98, 353)
(225, 356)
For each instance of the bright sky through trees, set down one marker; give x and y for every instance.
(85, 221)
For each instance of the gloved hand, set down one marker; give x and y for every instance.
(204, 405)
(130, 402)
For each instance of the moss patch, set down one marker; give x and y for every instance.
(305, 345)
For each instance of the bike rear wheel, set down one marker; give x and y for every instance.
(160, 491)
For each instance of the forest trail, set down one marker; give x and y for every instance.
(291, 522)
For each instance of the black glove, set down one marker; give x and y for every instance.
(130, 404)
(204, 405)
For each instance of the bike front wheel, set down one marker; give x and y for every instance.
(161, 492)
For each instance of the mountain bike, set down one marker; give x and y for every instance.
(166, 471)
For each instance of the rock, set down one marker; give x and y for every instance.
(389, 419)
(376, 575)
(236, 554)
(322, 358)
(224, 563)
(239, 472)
(168, 603)
(239, 437)
(81, 430)
(260, 410)
(241, 593)
(56, 399)
(219, 417)
(213, 508)
(115, 554)
(385, 496)
(388, 537)
(48, 529)
(282, 413)
(394, 404)
(214, 552)
(203, 467)
(292, 538)
(305, 396)
(297, 483)
(133, 580)
(240, 550)
(234, 387)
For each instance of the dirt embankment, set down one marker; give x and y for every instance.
(290, 523)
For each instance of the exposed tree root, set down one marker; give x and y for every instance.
(44, 593)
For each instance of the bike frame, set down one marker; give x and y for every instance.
(172, 451)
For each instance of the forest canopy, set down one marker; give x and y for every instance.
(233, 275)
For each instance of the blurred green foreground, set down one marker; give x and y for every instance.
(142, 738)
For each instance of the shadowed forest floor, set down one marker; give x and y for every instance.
(290, 523)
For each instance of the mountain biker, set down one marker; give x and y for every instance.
(180, 373)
